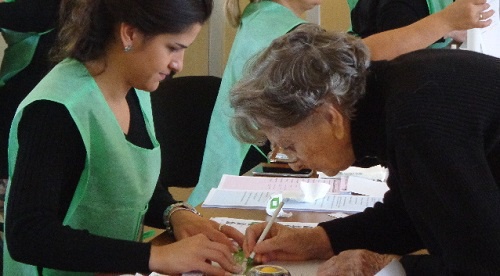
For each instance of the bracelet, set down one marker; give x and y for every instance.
(174, 208)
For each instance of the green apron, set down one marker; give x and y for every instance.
(261, 23)
(118, 179)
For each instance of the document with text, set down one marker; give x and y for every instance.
(278, 184)
(232, 194)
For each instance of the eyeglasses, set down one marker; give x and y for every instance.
(279, 154)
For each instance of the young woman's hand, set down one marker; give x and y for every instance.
(193, 254)
(187, 224)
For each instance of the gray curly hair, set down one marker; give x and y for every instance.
(296, 74)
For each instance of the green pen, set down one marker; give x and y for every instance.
(249, 262)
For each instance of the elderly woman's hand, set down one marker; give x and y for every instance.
(287, 244)
(187, 224)
(356, 262)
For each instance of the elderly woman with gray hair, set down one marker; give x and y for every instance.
(431, 116)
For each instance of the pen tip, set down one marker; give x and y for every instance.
(247, 265)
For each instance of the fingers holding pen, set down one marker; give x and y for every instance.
(252, 235)
(277, 245)
(287, 244)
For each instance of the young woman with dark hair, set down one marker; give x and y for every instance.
(84, 160)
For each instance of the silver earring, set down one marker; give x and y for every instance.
(127, 48)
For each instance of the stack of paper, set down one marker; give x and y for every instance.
(377, 173)
(254, 193)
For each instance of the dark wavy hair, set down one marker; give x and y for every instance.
(297, 73)
(86, 26)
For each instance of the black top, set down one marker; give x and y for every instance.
(29, 15)
(374, 16)
(43, 185)
(433, 117)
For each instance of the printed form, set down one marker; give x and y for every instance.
(255, 192)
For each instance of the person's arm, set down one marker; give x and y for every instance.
(161, 199)
(385, 228)
(186, 223)
(49, 163)
(460, 15)
(455, 197)
(448, 157)
(29, 15)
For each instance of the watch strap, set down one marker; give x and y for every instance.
(167, 214)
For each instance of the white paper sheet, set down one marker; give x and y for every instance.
(221, 198)
(377, 173)
(367, 187)
(486, 40)
(277, 184)
(394, 268)
(242, 224)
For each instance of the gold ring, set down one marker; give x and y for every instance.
(220, 226)
(481, 16)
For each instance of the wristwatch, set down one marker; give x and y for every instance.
(174, 208)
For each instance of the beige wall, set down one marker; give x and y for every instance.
(196, 55)
(334, 15)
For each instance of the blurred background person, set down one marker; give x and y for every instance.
(258, 25)
(263, 21)
(374, 16)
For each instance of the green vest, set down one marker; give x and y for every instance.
(261, 23)
(118, 179)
